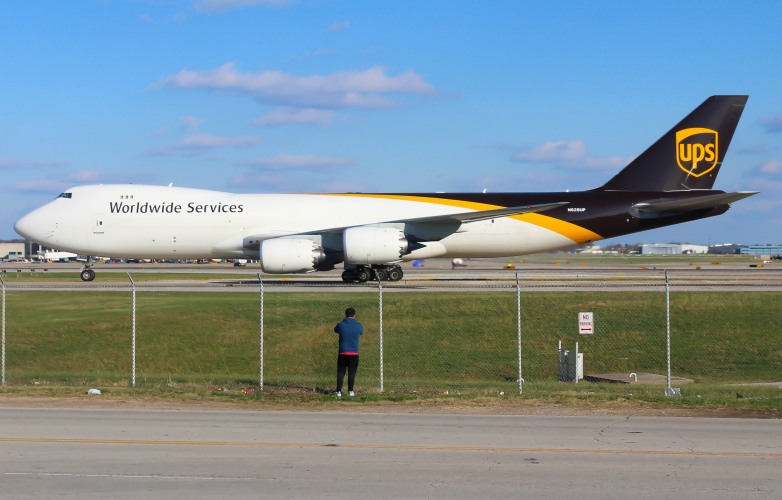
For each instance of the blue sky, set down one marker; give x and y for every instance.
(405, 96)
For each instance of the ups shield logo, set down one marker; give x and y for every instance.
(696, 150)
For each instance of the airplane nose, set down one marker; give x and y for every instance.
(33, 226)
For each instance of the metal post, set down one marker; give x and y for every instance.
(380, 312)
(133, 287)
(518, 326)
(576, 358)
(3, 343)
(668, 333)
(260, 280)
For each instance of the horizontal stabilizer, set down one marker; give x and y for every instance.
(661, 207)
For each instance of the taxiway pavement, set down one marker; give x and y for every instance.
(98, 453)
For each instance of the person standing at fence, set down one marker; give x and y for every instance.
(350, 332)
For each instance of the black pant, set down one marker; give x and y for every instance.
(347, 362)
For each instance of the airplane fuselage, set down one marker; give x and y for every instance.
(178, 223)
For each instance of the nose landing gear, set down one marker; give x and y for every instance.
(87, 274)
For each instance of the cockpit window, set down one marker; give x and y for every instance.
(65, 195)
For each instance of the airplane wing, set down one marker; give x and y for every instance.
(473, 216)
(253, 242)
(486, 214)
(659, 208)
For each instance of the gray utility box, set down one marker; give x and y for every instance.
(571, 366)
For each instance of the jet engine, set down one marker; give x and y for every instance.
(374, 245)
(290, 255)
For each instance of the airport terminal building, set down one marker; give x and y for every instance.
(766, 251)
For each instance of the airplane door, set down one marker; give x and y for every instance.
(98, 226)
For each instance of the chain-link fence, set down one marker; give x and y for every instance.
(437, 336)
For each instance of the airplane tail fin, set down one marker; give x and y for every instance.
(689, 156)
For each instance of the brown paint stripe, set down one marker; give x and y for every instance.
(567, 229)
(385, 447)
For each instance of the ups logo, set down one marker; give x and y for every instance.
(696, 150)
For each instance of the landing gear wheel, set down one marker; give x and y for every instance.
(381, 274)
(363, 276)
(348, 276)
(395, 274)
(87, 275)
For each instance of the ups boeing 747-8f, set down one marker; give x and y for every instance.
(669, 183)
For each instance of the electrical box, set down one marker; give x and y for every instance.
(571, 366)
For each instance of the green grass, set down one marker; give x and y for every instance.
(433, 341)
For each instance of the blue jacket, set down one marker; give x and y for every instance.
(349, 331)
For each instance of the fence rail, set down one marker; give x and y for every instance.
(420, 336)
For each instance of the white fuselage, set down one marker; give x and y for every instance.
(179, 223)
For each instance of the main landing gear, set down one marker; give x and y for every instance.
(362, 274)
(87, 274)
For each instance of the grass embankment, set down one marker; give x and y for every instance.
(433, 341)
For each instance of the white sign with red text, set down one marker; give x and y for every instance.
(586, 323)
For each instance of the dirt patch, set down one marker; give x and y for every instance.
(476, 406)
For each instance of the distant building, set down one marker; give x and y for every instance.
(766, 251)
(12, 251)
(672, 249)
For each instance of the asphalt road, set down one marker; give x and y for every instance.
(88, 453)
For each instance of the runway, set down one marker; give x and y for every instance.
(88, 453)
(480, 275)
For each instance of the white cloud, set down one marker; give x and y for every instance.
(189, 122)
(339, 26)
(285, 161)
(199, 143)
(10, 163)
(771, 123)
(59, 183)
(309, 116)
(291, 182)
(568, 154)
(43, 186)
(754, 149)
(772, 166)
(552, 152)
(342, 89)
(225, 5)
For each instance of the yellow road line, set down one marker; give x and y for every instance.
(384, 447)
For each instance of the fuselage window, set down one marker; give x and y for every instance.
(65, 195)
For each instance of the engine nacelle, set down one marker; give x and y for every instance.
(373, 245)
(290, 255)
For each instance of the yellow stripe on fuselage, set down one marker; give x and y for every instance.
(567, 229)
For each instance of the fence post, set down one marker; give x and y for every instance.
(133, 288)
(518, 326)
(3, 343)
(260, 281)
(380, 312)
(668, 335)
